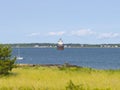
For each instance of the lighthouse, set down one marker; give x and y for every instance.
(60, 45)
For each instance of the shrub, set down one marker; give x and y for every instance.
(6, 62)
(72, 86)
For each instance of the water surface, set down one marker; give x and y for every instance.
(100, 58)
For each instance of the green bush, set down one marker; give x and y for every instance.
(72, 86)
(6, 62)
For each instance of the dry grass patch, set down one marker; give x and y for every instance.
(55, 78)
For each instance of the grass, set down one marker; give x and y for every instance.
(60, 78)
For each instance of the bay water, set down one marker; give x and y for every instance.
(99, 58)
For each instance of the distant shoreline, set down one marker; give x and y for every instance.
(67, 45)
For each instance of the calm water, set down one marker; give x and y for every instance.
(100, 58)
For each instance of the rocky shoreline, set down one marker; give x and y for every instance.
(46, 65)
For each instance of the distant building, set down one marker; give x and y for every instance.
(60, 45)
(36, 46)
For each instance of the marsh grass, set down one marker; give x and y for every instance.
(60, 78)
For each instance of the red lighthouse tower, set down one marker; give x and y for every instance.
(60, 45)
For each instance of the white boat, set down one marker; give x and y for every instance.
(18, 56)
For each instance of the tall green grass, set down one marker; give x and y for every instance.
(60, 78)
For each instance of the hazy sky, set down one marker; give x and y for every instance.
(45, 21)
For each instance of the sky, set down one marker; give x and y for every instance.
(45, 21)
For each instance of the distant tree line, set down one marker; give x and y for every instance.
(69, 45)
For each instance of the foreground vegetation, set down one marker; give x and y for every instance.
(60, 78)
(6, 62)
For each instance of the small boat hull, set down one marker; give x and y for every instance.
(19, 58)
